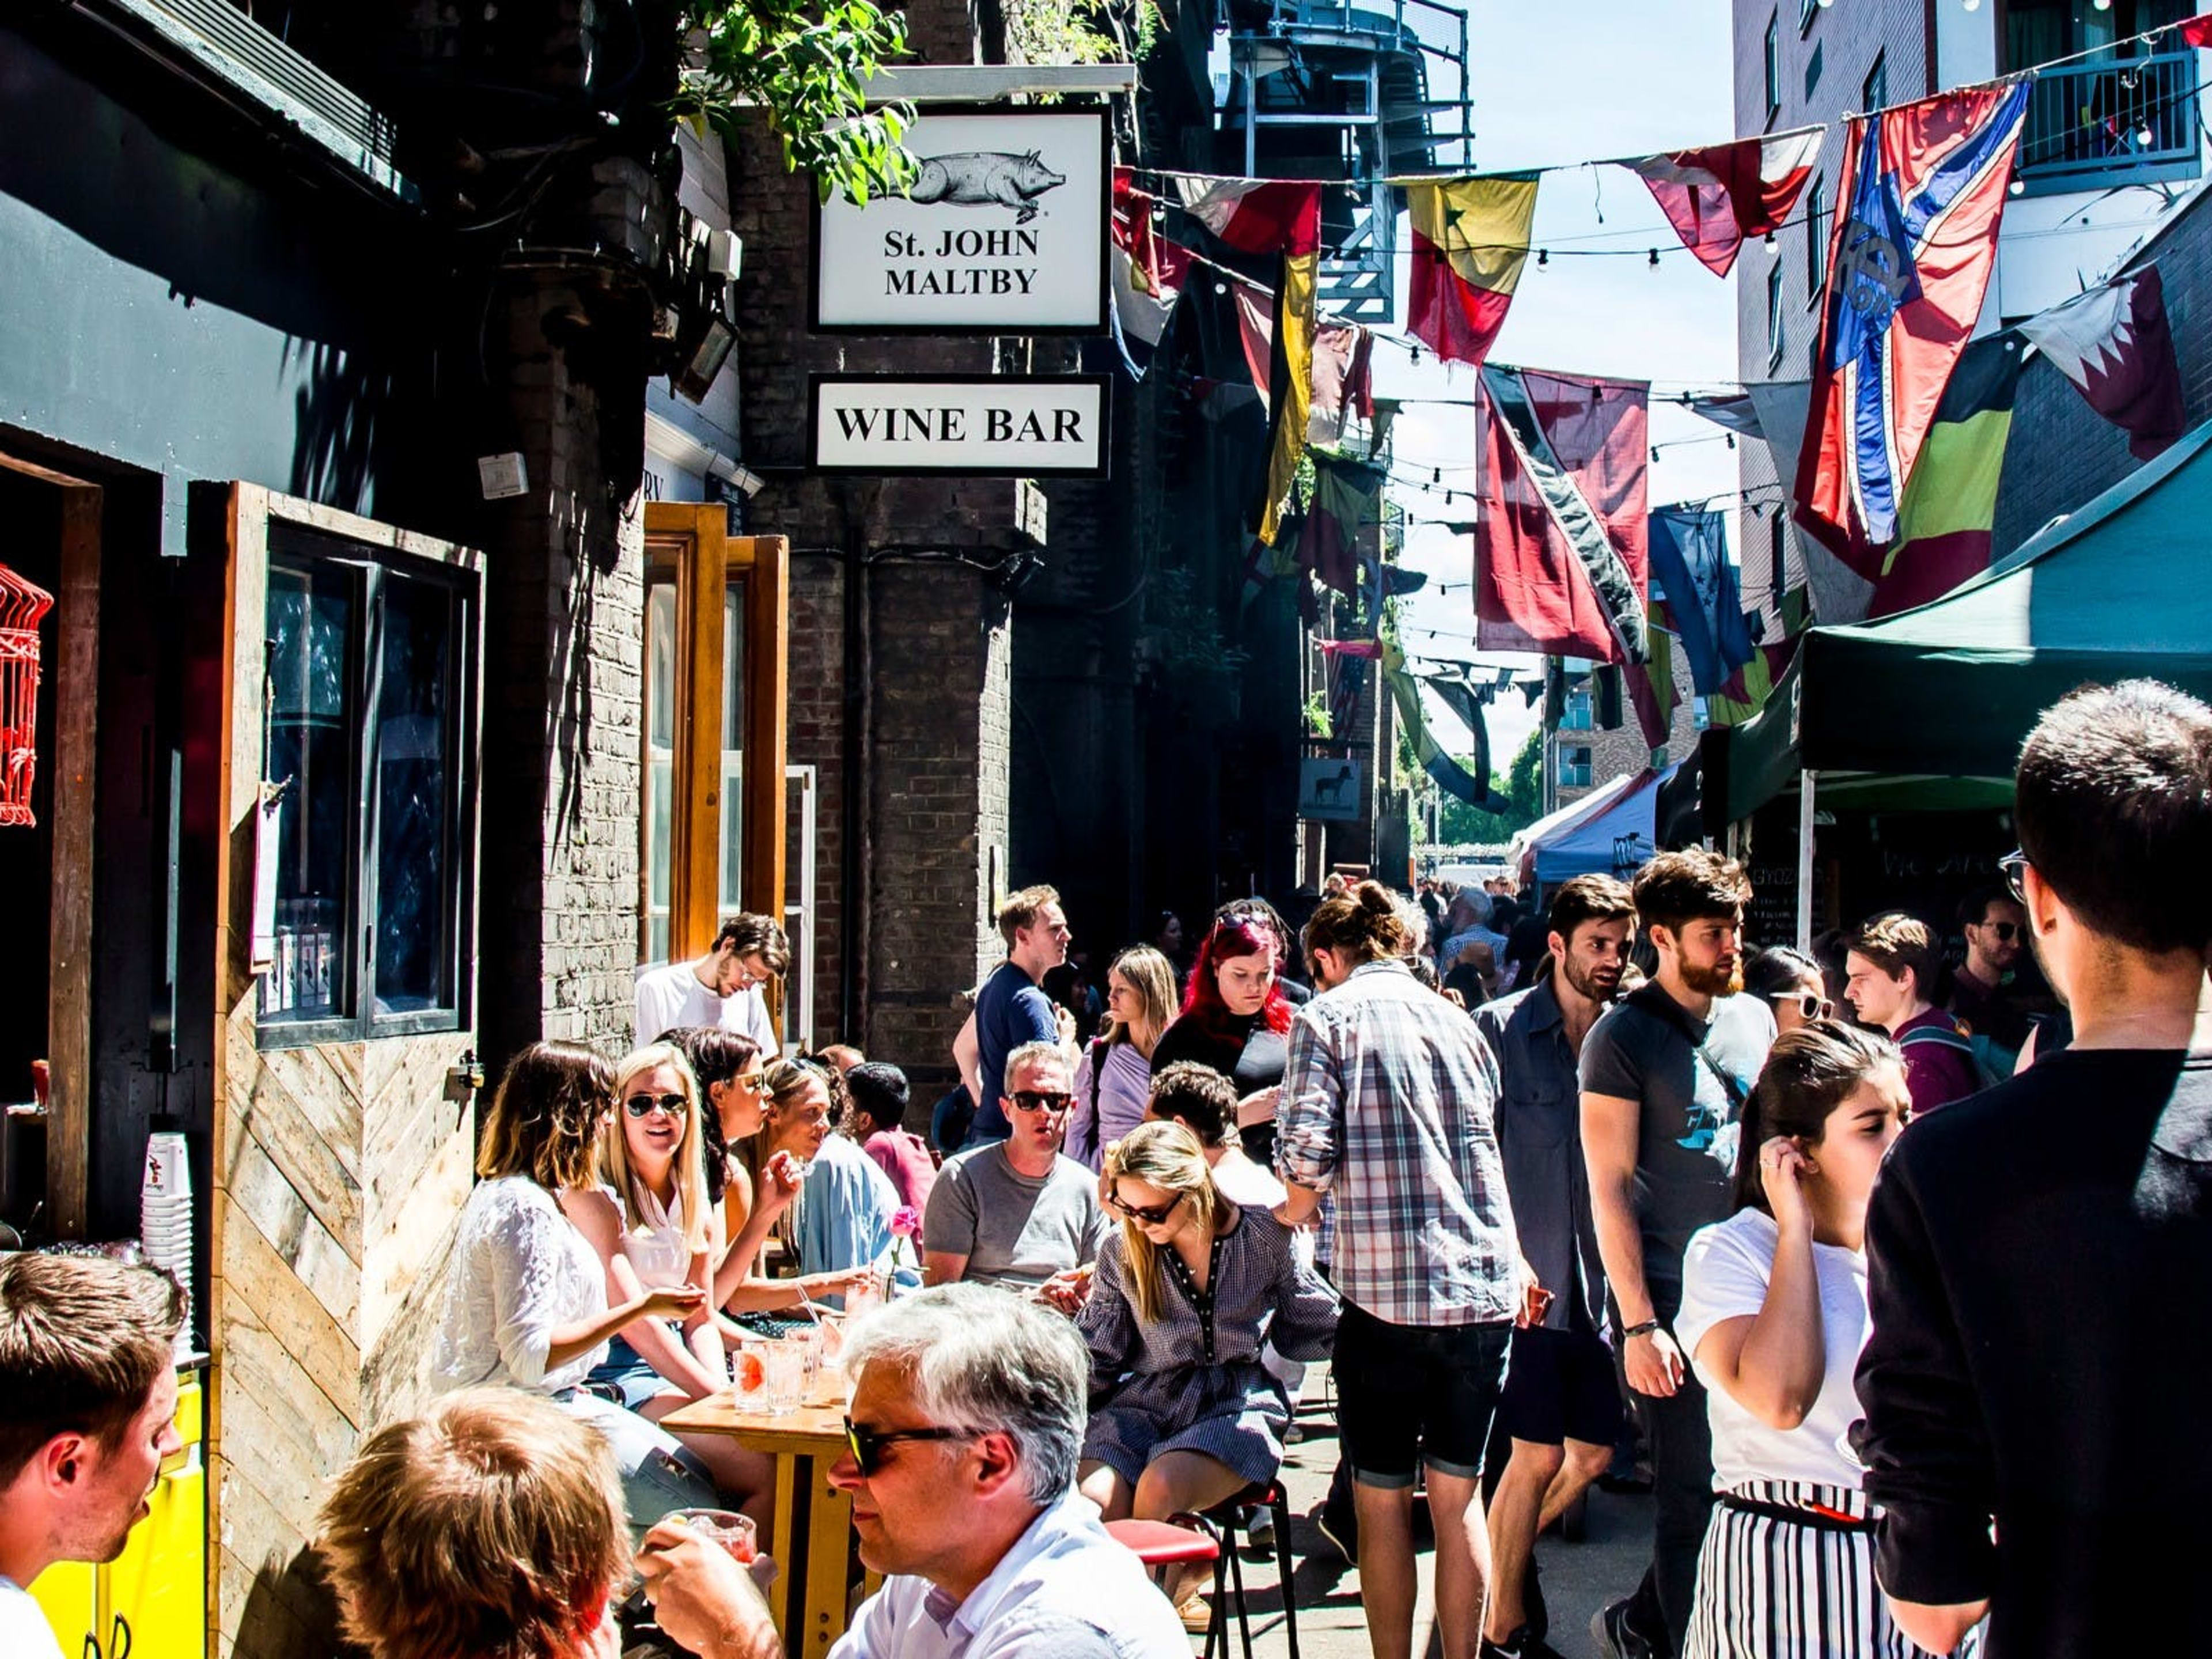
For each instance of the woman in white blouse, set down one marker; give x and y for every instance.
(647, 1216)
(526, 1301)
(1774, 1313)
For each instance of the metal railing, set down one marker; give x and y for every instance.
(2131, 120)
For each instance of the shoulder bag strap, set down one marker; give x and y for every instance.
(1653, 1000)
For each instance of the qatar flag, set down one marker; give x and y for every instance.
(2114, 343)
(1717, 196)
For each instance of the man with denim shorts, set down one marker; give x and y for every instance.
(1388, 1107)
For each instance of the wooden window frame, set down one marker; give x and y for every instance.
(691, 545)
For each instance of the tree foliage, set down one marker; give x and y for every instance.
(807, 68)
(1461, 825)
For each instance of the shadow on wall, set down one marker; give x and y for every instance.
(338, 409)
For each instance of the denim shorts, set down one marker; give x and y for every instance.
(629, 1374)
(658, 1472)
(1409, 1394)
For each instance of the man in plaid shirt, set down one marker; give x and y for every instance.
(1387, 1107)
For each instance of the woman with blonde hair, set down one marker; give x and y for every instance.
(1114, 1078)
(526, 1303)
(1187, 1293)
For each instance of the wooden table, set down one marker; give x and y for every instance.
(811, 1597)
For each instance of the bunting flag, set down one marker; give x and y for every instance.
(1560, 561)
(1915, 241)
(1652, 686)
(1944, 529)
(2114, 343)
(2197, 30)
(1255, 215)
(1450, 776)
(1348, 498)
(1717, 196)
(1343, 384)
(1691, 575)
(1748, 688)
(1370, 649)
(1149, 272)
(1256, 333)
(1470, 240)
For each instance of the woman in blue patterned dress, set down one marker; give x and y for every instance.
(1187, 1293)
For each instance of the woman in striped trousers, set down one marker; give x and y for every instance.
(1774, 1311)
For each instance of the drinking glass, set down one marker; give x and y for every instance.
(733, 1532)
(749, 1371)
(785, 1378)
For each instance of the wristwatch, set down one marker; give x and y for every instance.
(1644, 1328)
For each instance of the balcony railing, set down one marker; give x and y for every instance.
(2130, 121)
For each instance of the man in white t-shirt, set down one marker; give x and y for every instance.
(87, 1408)
(722, 988)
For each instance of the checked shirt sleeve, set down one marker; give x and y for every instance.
(1309, 1113)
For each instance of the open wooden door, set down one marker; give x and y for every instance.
(717, 670)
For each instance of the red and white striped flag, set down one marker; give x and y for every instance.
(1717, 196)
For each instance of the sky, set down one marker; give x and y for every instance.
(1627, 78)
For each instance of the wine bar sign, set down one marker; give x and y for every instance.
(1013, 425)
(1004, 230)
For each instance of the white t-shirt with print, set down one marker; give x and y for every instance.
(1724, 1276)
(24, 1632)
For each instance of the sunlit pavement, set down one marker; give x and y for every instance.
(1577, 1577)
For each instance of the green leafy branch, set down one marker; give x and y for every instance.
(808, 74)
(1085, 32)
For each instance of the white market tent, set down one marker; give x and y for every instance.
(1609, 831)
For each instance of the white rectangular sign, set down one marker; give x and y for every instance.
(983, 425)
(1329, 789)
(1004, 232)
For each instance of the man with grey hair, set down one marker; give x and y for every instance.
(1018, 1211)
(966, 1422)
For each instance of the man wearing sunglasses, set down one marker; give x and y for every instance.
(1983, 994)
(963, 1438)
(1018, 1211)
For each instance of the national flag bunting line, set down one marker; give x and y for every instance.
(1717, 196)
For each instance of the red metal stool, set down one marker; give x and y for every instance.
(1161, 1545)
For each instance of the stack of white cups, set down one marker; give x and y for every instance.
(165, 1216)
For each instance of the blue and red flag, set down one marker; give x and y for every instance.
(1915, 241)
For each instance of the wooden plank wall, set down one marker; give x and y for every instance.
(340, 1173)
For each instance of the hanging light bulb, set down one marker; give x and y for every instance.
(2102, 5)
(1655, 455)
(1543, 257)
(1437, 476)
(1769, 242)
(2143, 137)
(1731, 441)
(2015, 187)
(1973, 5)
(1655, 258)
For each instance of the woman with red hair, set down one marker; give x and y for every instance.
(1234, 1018)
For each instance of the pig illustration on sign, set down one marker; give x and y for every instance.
(982, 178)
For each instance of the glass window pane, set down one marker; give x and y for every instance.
(661, 665)
(313, 720)
(733, 747)
(415, 873)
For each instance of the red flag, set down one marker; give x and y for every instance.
(1717, 196)
(2114, 343)
(1256, 332)
(1470, 240)
(1915, 242)
(1561, 566)
(1255, 215)
(2197, 31)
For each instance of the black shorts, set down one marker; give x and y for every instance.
(1561, 1388)
(1408, 1393)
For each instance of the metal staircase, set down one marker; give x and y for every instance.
(1347, 89)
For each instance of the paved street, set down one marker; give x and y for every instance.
(1577, 1577)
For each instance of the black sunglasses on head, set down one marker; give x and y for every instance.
(2014, 867)
(867, 1444)
(642, 1105)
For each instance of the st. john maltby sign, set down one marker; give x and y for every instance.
(1011, 426)
(1004, 231)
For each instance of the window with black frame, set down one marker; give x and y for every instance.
(369, 703)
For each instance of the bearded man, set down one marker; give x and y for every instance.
(1664, 1076)
(1561, 1407)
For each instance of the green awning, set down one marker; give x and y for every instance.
(2120, 589)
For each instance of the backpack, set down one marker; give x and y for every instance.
(1988, 1059)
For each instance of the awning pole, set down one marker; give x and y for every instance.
(1805, 862)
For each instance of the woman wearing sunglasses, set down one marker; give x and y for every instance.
(646, 1213)
(526, 1304)
(1791, 983)
(1187, 1293)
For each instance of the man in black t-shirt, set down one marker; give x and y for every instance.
(1664, 1075)
(2040, 1257)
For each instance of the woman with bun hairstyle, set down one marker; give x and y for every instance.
(1774, 1313)
(1234, 1018)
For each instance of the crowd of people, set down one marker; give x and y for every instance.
(1890, 1269)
